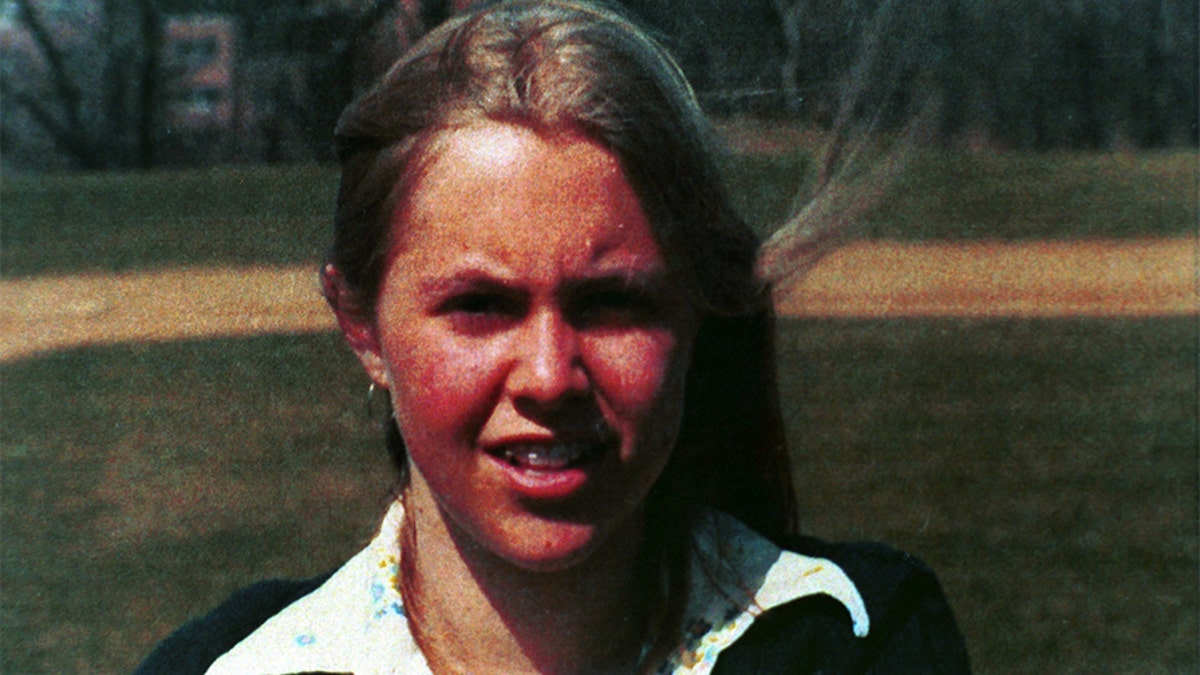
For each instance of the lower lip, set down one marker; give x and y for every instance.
(542, 484)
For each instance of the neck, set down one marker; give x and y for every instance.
(473, 612)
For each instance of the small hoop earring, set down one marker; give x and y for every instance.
(371, 402)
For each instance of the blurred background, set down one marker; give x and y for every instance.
(1044, 462)
(141, 83)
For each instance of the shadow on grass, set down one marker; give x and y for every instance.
(1047, 470)
(143, 483)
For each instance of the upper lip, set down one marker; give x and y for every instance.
(499, 446)
(603, 438)
(595, 432)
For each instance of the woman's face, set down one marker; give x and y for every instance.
(534, 342)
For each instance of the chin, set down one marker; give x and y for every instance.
(552, 546)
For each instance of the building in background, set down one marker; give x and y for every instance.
(199, 59)
(203, 117)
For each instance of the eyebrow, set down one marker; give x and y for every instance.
(467, 280)
(641, 280)
(480, 279)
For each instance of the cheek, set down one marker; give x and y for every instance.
(440, 387)
(642, 373)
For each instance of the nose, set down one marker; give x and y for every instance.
(549, 366)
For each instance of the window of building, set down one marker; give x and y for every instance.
(200, 102)
(195, 53)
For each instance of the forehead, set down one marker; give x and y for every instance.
(511, 187)
(524, 158)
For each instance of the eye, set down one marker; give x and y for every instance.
(480, 311)
(615, 308)
(478, 303)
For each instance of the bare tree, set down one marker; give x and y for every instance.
(85, 78)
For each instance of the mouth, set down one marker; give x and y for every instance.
(549, 455)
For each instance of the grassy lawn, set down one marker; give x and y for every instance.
(141, 483)
(1046, 469)
(280, 215)
(114, 222)
(963, 196)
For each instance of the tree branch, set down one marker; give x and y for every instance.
(71, 137)
(70, 141)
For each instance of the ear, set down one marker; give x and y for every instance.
(358, 327)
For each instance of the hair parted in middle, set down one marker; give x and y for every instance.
(568, 67)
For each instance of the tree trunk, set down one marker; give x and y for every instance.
(148, 91)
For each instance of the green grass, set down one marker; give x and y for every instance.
(142, 482)
(1046, 469)
(1048, 196)
(963, 196)
(281, 215)
(114, 222)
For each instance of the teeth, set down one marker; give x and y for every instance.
(545, 456)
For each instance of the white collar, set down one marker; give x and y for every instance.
(355, 622)
(736, 575)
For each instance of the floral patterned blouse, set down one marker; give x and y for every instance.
(355, 621)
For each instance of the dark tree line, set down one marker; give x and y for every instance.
(1020, 74)
(85, 85)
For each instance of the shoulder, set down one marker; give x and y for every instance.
(912, 627)
(193, 647)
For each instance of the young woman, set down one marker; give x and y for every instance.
(534, 257)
